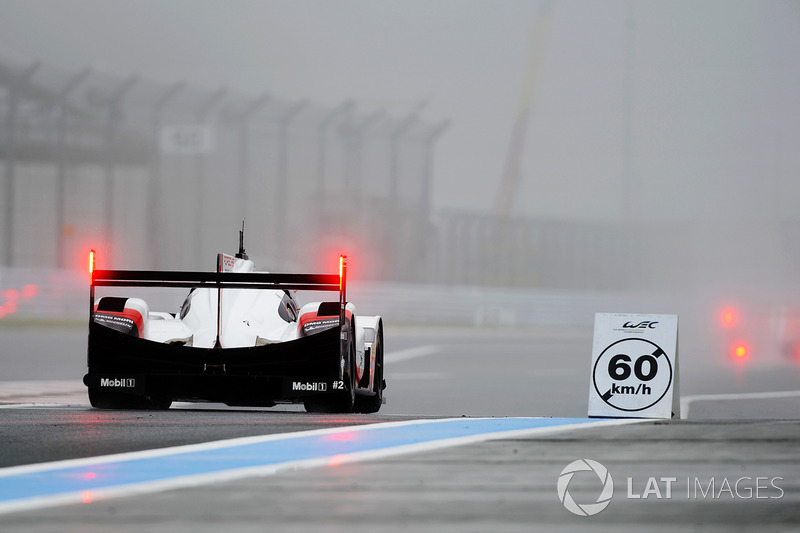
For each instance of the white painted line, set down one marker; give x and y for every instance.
(687, 401)
(411, 353)
(30, 405)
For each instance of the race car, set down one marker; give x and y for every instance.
(239, 338)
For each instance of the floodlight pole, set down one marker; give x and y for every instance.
(394, 162)
(424, 219)
(61, 127)
(282, 187)
(244, 143)
(202, 115)
(113, 119)
(427, 183)
(354, 139)
(322, 130)
(11, 155)
(154, 188)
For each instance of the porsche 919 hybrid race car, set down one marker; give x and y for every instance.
(240, 338)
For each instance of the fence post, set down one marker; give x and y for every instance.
(283, 177)
(202, 115)
(113, 120)
(424, 231)
(154, 188)
(353, 135)
(394, 175)
(61, 128)
(322, 130)
(244, 143)
(427, 182)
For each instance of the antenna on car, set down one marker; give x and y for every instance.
(242, 254)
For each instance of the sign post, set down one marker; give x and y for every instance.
(634, 366)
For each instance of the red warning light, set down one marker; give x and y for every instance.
(729, 317)
(740, 351)
(12, 295)
(29, 291)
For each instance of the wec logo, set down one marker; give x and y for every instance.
(127, 383)
(641, 325)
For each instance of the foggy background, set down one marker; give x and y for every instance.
(568, 145)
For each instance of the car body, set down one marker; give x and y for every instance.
(240, 338)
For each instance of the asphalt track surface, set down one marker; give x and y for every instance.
(742, 428)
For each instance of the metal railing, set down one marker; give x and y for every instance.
(157, 175)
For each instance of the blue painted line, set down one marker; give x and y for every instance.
(124, 470)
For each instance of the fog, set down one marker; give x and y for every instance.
(658, 140)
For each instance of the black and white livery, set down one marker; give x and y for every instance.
(239, 338)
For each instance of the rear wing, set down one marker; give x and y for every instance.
(219, 280)
(215, 280)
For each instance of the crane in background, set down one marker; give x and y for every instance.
(512, 173)
(512, 241)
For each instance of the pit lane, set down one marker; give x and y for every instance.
(505, 485)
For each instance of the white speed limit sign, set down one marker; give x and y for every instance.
(634, 366)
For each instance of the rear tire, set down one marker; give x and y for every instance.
(372, 404)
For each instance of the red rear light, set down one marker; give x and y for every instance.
(91, 266)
